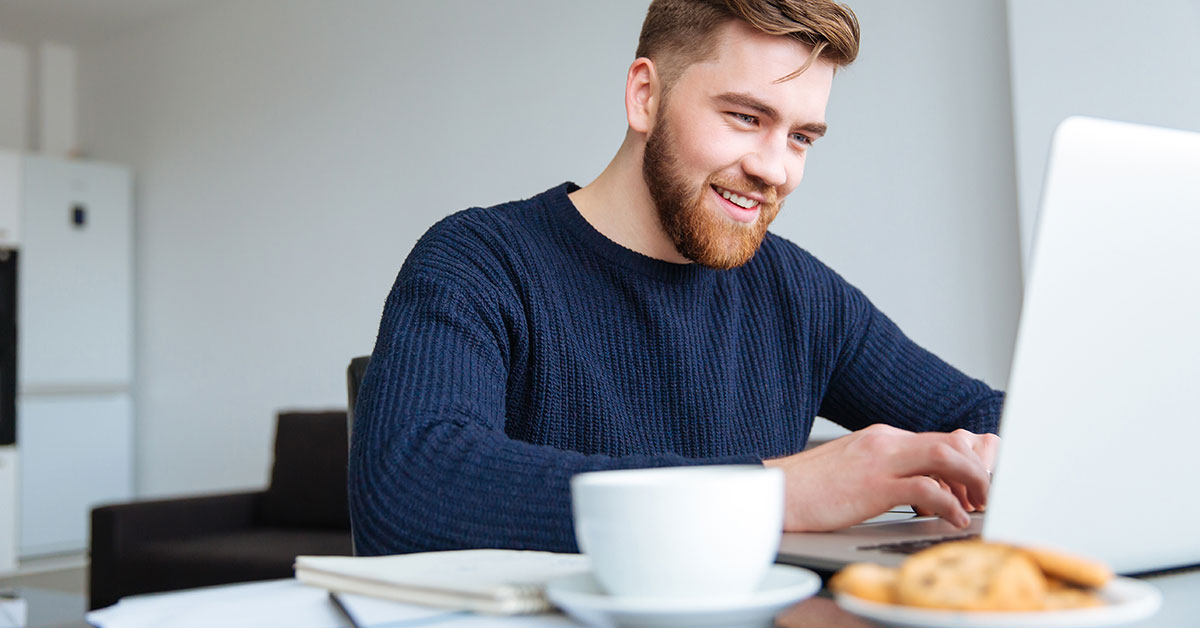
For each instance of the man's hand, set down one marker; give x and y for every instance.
(985, 446)
(868, 472)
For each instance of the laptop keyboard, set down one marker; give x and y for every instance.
(916, 545)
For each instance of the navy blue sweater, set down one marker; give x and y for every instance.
(519, 346)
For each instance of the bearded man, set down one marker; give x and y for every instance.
(649, 319)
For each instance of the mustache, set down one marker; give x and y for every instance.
(747, 187)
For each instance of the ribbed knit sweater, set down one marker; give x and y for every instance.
(519, 346)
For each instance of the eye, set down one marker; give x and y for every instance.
(802, 139)
(744, 118)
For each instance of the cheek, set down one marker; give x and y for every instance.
(705, 152)
(794, 176)
(710, 149)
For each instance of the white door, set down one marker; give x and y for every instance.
(76, 453)
(10, 199)
(8, 509)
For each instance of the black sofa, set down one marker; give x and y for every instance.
(169, 544)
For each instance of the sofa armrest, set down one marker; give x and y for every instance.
(120, 526)
(119, 529)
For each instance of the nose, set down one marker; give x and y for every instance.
(767, 164)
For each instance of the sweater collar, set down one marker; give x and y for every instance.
(567, 215)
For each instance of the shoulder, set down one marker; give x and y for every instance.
(478, 242)
(476, 230)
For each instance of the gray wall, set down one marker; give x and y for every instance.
(911, 195)
(1118, 59)
(288, 154)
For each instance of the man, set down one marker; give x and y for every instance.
(648, 319)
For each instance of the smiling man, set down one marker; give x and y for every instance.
(650, 319)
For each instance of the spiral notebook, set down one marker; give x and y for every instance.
(503, 582)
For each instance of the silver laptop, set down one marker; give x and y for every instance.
(1100, 432)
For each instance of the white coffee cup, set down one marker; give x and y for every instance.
(679, 532)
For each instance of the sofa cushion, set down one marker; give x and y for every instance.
(308, 480)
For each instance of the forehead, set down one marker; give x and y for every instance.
(749, 61)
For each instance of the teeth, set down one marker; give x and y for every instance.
(740, 201)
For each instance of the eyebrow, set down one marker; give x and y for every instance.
(750, 102)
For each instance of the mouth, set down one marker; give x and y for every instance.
(740, 208)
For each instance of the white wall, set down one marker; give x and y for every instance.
(14, 96)
(1136, 62)
(288, 154)
(57, 116)
(911, 194)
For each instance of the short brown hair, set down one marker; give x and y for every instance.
(679, 33)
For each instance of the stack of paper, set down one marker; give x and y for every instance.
(487, 581)
(290, 604)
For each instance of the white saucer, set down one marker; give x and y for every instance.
(1128, 601)
(582, 598)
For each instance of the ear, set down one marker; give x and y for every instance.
(642, 94)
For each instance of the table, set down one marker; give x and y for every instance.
(289, 603)
(47, 608)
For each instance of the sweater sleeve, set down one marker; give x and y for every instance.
(882, 376)
(431, 467)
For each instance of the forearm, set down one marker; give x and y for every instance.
(453, 484)
(888, 378)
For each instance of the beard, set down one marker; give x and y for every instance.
(704, 235)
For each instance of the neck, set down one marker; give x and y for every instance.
(619, 206)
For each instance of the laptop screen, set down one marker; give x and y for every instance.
(1100, 429)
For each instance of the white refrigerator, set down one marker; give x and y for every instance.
(75, 349)
(10, 204)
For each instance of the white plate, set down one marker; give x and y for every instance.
(1128, 601)
(582, 598)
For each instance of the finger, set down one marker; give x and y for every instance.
(985, 446)
(972, 444)
(960, 492)
(927, 495)
(937, 455)
(922, 512)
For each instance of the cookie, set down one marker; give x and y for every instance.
(866, 581)
(1061, 596)
(1070, 568)
(971, 576)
